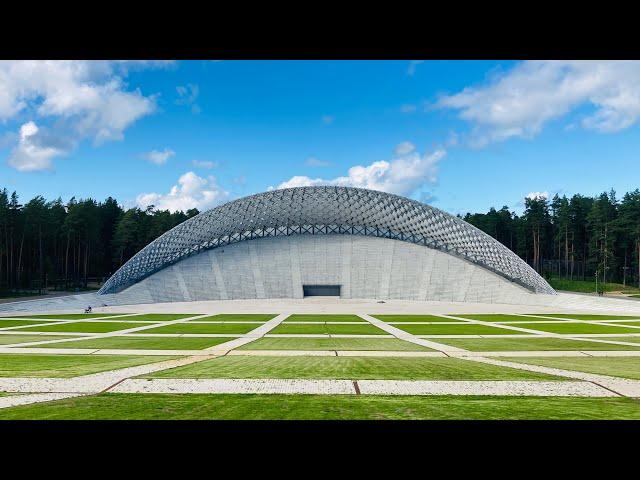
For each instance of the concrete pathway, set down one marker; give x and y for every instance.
(147, 326)
(261, 331)
(407, 337)
(364, 387)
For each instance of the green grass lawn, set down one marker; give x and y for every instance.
(22, 323)
(491, 317)
(240, 317)
(83, 327)
(143, 343)
(575, 316)
(64, 366)
(577, 328)
(412, 318)
(456, 329)
(626, 338)
(350, 368)
(71, 316)
(528, 344)
(324, 318)
(238, 328)
(126, 406)
(159, 317)
(329, 329)
(383, 344)
(625, 324)
(9, 339)
(589, 286)
(626, 367)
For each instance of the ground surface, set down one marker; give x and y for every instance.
(253, 365)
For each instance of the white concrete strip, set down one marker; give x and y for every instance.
(624, 387)
(16, 400)
(280, 353)
(510, 388)
(369, 353)
(93, 383)
(541, 333)
(238, 386)
(254, 334)
(407, 337)
(367, 387)
(114, 333)
(352, 353)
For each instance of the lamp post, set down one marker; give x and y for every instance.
(596, 274)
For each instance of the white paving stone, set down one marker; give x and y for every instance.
(239, 386)
(16, 400)
(512, 388)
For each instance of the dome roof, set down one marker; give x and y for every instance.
(326, 210)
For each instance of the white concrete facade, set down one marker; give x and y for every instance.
(364, 267)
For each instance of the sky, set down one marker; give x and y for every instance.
(462, 136)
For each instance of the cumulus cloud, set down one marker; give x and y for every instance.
(191, 191)
(187, 96)
(403, 175)
(404, 148)
(159, 157)
(34, 150)
(537, 195)
(519, 102)
(83, 99)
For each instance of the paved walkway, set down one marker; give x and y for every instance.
(364, 387)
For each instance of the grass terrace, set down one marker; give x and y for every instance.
(412, 318)
(324, 318)
(302, 343)
(239, 317)
(114, 406)
(83, 327)
(11, 339)
(530, 344)
(142, 343)
(65, 366)
(348, 368)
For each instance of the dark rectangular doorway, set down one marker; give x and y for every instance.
(321, 290)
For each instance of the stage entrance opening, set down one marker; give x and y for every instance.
(321, 290)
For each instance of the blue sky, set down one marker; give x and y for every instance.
(461, 135)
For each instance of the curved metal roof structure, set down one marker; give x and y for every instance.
(326, 210)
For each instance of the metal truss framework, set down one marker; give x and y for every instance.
(323, 211)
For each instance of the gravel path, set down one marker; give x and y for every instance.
(365, 387)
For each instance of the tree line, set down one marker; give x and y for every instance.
(573, 238)
(50, 244)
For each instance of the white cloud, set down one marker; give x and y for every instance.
(204, 164)
(159, 157)
(316, 162)
(82, 99)
(187, 96)
(191, 191)
(403, 175)
(404, 148)
(328, 119)
(32, 152)
(520, 102)
(535, 195)
(413, 64)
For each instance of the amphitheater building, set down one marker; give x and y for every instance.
(343, 242)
